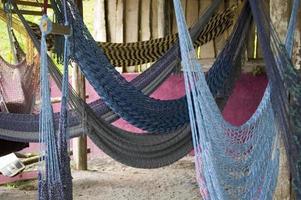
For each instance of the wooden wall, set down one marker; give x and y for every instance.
(139, 20)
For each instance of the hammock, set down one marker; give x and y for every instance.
(231, 162)
(136, 150)
(19, 96)
(129, 54)
(286, 94)
(127, 101)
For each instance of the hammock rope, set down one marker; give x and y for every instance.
(50, 185)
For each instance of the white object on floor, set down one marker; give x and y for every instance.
(11, 165)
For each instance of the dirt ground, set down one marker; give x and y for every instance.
(108, 180)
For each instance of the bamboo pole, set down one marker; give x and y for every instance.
(80, 143)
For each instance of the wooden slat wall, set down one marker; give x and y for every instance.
(207, 50)
(138, 20)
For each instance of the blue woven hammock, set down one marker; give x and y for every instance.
(123, 98)
(232, 162)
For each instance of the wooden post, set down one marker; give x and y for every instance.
(79, 144)
(279, 13)
(145, 25)
(100, 22)
(131, 24)
(161, 18)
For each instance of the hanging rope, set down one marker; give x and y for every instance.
(63, 124)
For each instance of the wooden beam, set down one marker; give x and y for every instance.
(16, 24)
(54, 100)
(30, 12)
(56, 29)
(20, 177)
(80, 143)
(31, 3)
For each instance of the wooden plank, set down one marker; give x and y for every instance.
(111, 19)
(154, 18)
(192, 12)
(161, 18)
(20, 177)
(131, 24)
(30, 3)
(145, 25)
(79, 144)
(207, 50)
(99, 23)
(145, 22)
(119, 35)
(168, 17)
(30, 12)
(220, 41)
(131, 20)
(174, 22)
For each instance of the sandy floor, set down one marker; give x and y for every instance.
(109, 180)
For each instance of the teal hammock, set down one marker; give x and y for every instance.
(232, 162)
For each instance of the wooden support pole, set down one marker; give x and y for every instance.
(100, 21)
(79, 144)
(279, 13)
